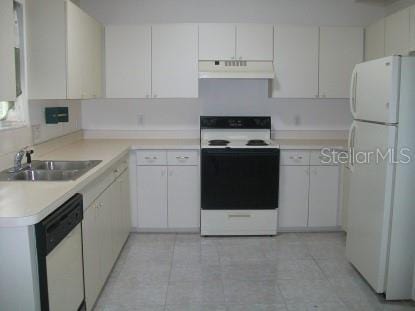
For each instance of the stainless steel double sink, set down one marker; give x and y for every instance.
(49, 170)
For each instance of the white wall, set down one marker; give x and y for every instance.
(219, 96)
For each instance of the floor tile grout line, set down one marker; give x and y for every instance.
(171, 268)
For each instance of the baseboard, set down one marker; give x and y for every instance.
(165, 230)
(311, 230)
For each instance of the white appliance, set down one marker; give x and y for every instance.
(381, 208)
(236, 69)
(239, 176)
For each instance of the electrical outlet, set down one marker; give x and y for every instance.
(36, 132)
(140, 119)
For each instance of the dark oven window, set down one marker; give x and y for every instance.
(240, 179)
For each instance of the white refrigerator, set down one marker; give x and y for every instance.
(381, 203)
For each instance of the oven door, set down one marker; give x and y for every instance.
(240, 179)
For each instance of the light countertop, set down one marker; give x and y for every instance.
(25, 203)
(311, 144)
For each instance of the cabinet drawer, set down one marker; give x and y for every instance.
(151, 157)
(182, 157)
(295, 157)
(319, 158)
(239, 222)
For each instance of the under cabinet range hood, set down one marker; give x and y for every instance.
(236, 69)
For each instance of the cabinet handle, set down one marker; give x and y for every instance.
(151, 158)
(233, 57)
(155, 96)
(170, 173)
(239, 216)
(182, 158)
(296, 158)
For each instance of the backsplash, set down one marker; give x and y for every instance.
(41, 131)
(44, 137)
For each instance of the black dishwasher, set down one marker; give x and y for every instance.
(60, 259)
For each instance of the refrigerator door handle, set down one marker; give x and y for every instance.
(351, 145)
(353, 86)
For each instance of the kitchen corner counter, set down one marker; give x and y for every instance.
(24, 203)
(311, 144)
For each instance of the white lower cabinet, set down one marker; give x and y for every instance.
(324, 196)
(293, 196)
(183, 197)
(308, 194)
(106, 226)
(152, 196)
(168, 194)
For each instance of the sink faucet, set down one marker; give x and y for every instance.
(19, 157)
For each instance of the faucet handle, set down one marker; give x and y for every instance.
(29, 153)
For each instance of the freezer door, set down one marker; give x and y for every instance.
(374, 92)
(370, 201)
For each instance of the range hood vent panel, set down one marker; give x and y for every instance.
(236, 69)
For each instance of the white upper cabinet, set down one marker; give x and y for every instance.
(128, 61)
(397, 28)
(341, 48)
(412, 31)
(254, 42)
(76, 50)
(217, 41)
(84, 54)
(242, 42)
(64, 58)
(375, 40)
(296, 61)
(175, 61)
(7, 65)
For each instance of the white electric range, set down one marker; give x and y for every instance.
(239, 176)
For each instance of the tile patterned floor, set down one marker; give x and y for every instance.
(290, 272)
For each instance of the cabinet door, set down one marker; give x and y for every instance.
(128, 61)
(254, 42)
(324, 196)
(91, 234)
(183, 197)
(175, 61)
(341, 48)
(7, 65)
(106, 232)
(126, 206)
(76, 50)
(397, 33)
(375, 40)
(217, 41)
(46, 48)
(412, 31)
(296, 62)
(91, 58)
(152, 196)
(293, 196)
(96, 58)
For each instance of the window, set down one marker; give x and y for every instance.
(13, 112)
